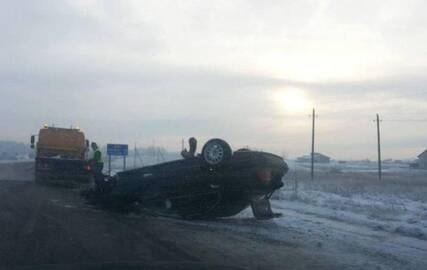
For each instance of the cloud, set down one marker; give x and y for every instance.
(137, 70)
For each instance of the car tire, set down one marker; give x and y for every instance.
(216, 152)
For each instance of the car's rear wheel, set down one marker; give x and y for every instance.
(216, 152)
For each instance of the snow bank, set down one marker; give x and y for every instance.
(381, 212)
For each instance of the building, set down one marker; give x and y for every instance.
(318, 158)
(422, 160)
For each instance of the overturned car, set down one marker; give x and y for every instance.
(216, 183)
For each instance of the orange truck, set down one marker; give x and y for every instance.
(60, 156)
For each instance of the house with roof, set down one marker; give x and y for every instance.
(422, 160)
(318, 158)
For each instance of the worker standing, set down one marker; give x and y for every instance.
(97, 165)
(193, 147)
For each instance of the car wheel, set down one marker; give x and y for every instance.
(216, 152)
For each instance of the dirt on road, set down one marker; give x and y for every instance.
(53, 228)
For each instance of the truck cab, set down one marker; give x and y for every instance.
(60, 156)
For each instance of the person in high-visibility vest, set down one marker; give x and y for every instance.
(97, 164)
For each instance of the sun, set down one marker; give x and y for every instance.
(293, 100)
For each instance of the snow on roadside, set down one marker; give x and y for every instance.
(380, 212)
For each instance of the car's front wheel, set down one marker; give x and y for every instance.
(216, 152)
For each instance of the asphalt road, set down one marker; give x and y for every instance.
(52, 228)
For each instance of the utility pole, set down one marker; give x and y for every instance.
(379, 146)
(313, 116)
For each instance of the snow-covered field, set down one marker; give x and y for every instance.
(397, 203)
(354, 166)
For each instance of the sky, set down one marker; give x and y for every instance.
(249, 72)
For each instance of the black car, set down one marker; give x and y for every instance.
(216, 183)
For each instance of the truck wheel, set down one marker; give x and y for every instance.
(216, 152)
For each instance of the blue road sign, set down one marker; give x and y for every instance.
(117, 149)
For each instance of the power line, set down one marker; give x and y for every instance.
(339, 101)
(405, 120)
